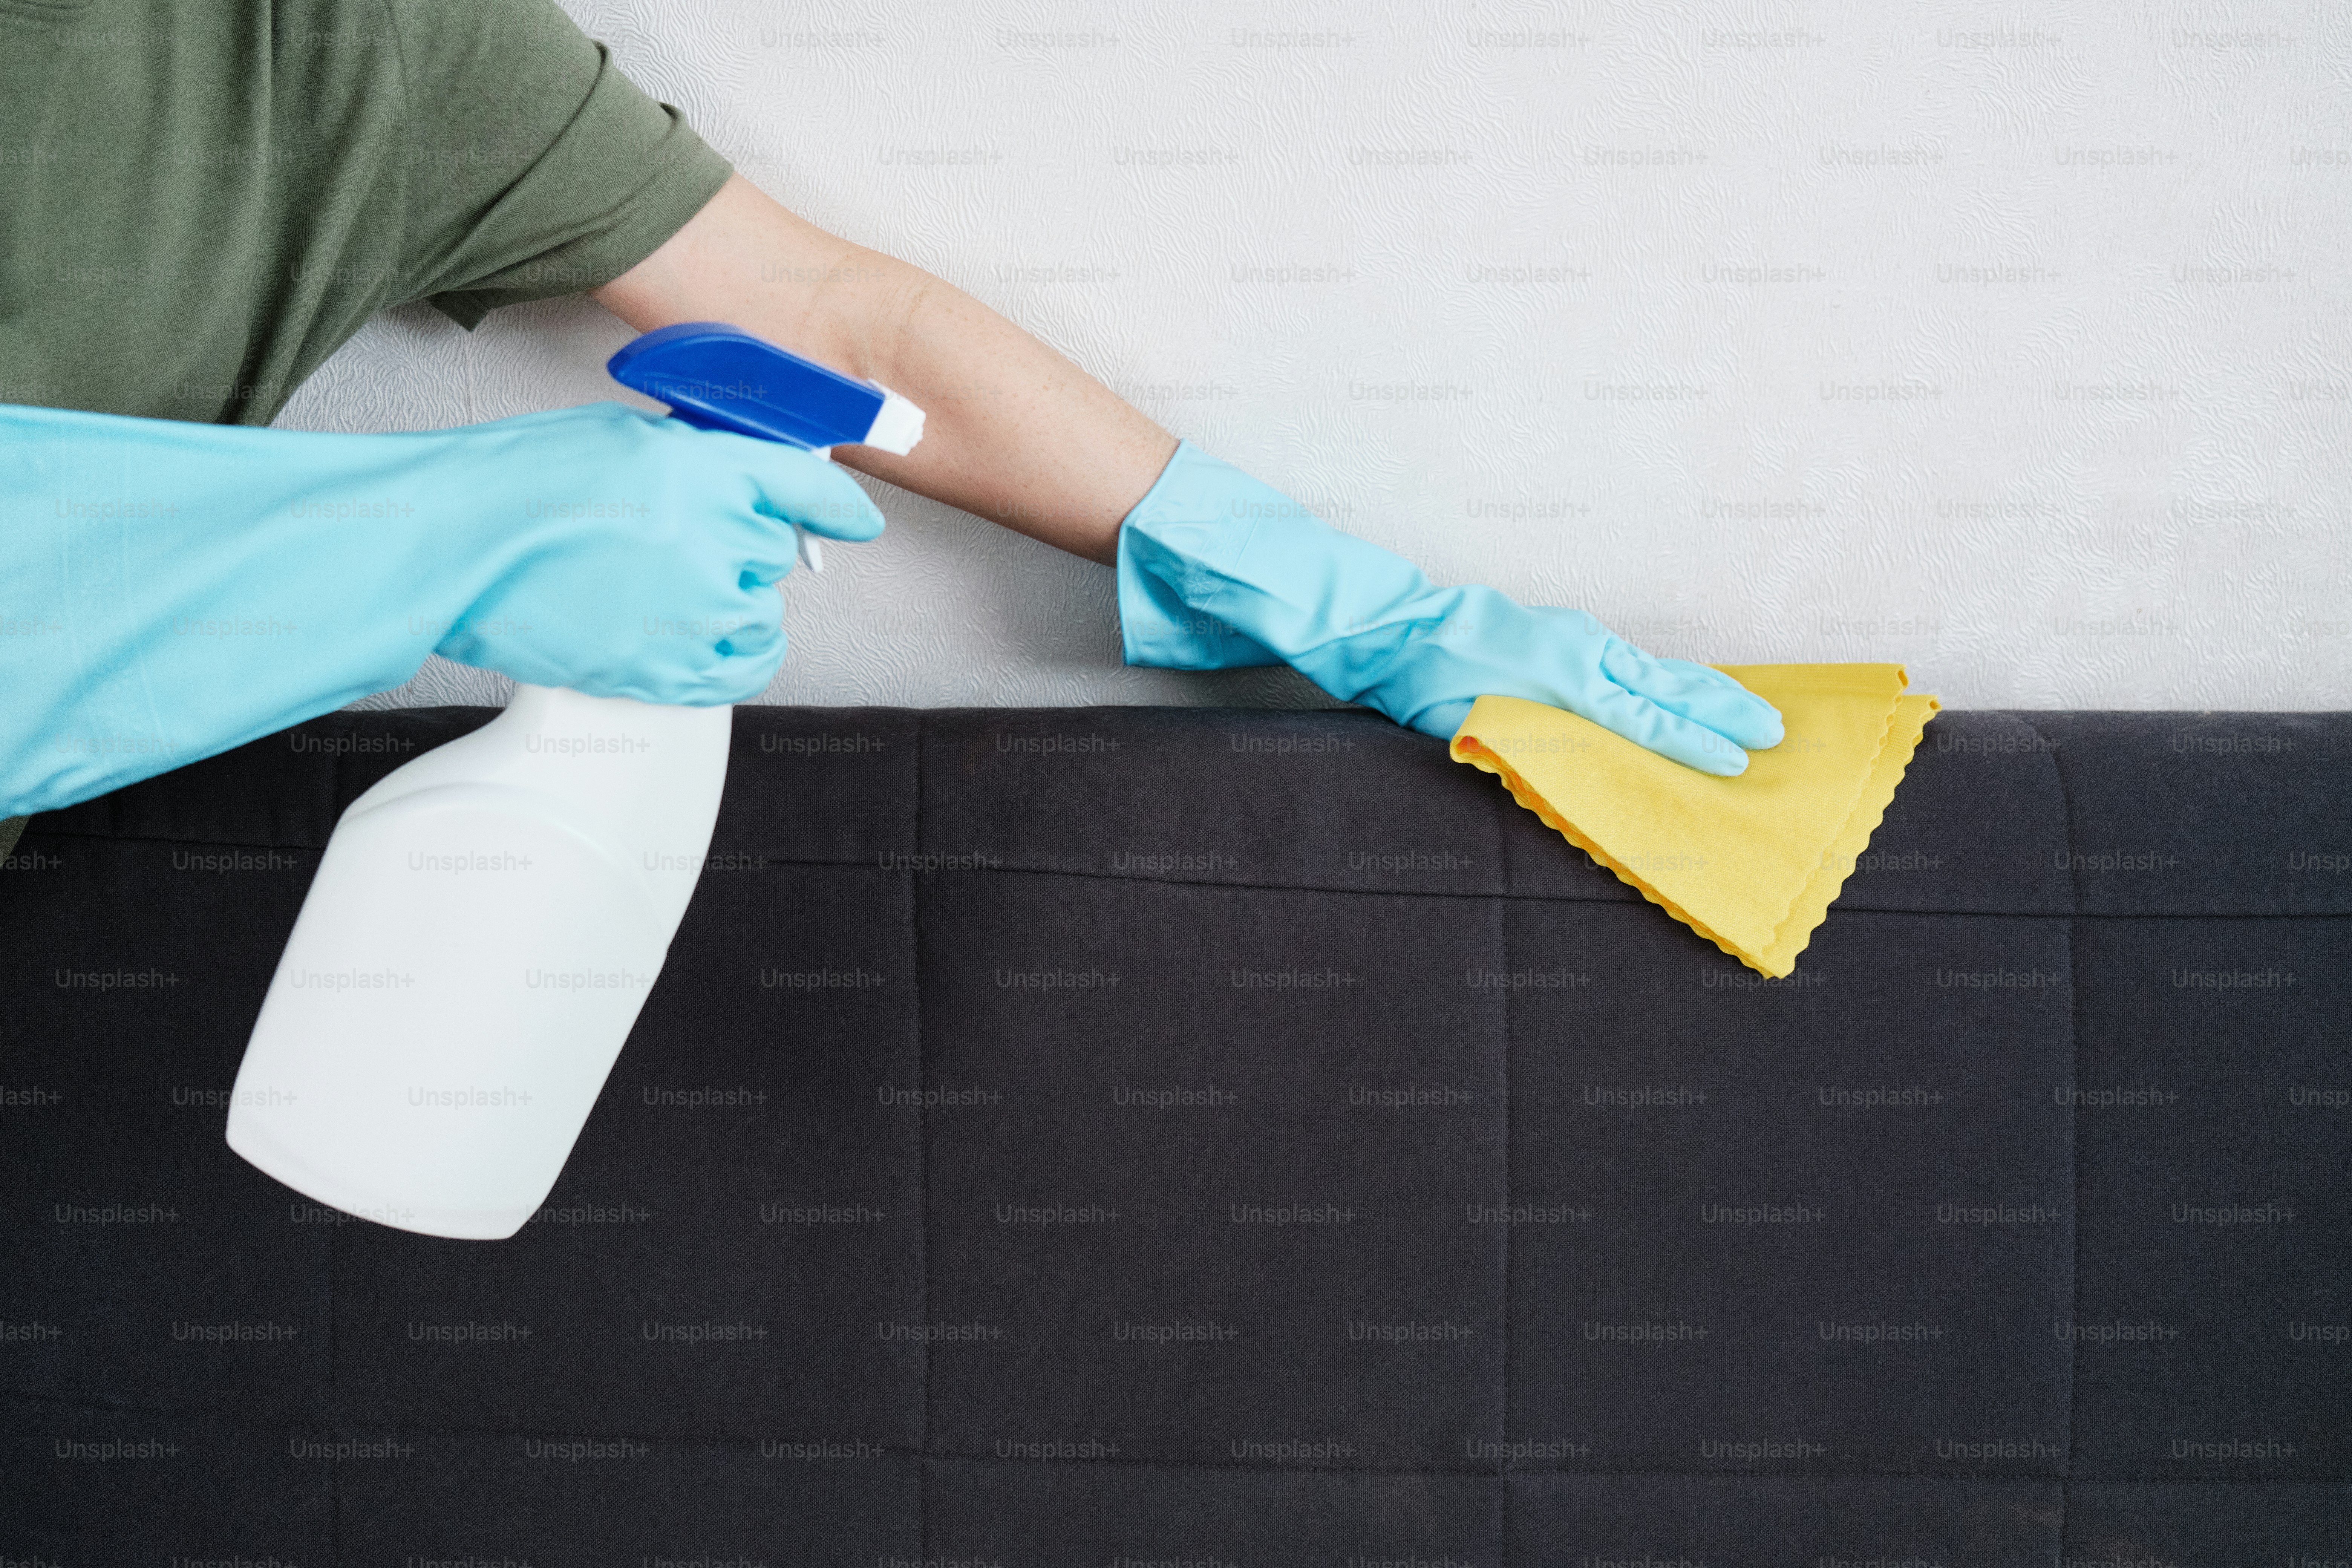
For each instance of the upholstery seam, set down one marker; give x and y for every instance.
(2073, 1137)
(922, 1168)
(1840, 907)
(1290, 1471)
(1510, 1146)
(1503, 907)
(334, 1415)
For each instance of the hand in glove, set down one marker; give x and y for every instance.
(1218, 571)
(170, 590)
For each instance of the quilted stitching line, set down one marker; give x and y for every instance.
(922, 1167)
(1510, 1149)
(334, 1413)
(1939, 1479)
(2074, 1132)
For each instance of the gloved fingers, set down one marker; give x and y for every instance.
(721, 678)
(748, 660)
(765, 571)
(805, 489)
(754, 639)
(1705, 696)
(1659, 729)
(753, 628)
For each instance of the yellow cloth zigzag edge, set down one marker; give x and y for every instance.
(1808, 903)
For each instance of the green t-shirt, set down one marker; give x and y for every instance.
(200, 200)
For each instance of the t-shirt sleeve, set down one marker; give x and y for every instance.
(533, 168)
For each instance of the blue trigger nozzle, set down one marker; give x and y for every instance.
(719, 377)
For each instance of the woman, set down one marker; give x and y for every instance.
(201, 203)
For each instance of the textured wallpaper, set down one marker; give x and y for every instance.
(2012, 345)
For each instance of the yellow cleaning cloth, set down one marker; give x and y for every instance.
(1751, 863)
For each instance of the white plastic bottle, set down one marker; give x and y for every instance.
(488, 920)
(486, 924)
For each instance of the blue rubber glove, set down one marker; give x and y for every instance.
(1217, 571)
(170, 590)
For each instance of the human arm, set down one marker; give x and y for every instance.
(1014, 432)
(171, 589)
(1216, 569)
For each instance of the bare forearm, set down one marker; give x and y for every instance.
(1014, 433)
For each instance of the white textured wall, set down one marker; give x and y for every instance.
(2009, 343)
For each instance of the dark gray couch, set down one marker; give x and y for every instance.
(1240, 1138)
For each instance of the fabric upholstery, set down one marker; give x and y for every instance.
(1230, 1137)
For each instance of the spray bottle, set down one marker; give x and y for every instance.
(488, 920)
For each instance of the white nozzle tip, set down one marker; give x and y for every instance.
(897, 425)
(810, 551)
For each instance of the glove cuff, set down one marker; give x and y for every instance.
(1158, 628)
